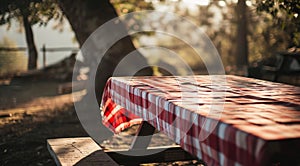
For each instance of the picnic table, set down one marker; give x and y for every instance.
(241, 121)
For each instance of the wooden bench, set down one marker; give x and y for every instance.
(282, 68)
(84, 151)
(78, 151)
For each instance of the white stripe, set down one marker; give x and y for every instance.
(167, 127)
(166, 105)
(127, 104)
(221, 131)
(136, 92)
(185, 144)
(241, 140)
(177, 111)
(199, 154)
(206, 150)
(222, 158)
(196, 143)
(259, 145)
(209, 151)
(183, 114)
(158, 111)
(237, 164)
(151, 97)
(144, 95)
(177, 135)
(195, 119)
(207, 124)
(145, 114)
(163, 125)
(172, 129)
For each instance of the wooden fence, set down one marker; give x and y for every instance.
(44, 50)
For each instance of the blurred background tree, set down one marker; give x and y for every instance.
(11, 62)
(285, 15)
(29, 13)
(243, 31)
(85, 17)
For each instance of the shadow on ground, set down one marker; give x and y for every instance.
(23, 141)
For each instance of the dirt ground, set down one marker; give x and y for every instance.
(32, 111)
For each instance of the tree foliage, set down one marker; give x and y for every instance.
(286, 15)
(38, 11)
(28, 13)
(263, 37)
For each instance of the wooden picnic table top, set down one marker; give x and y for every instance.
(220, 119)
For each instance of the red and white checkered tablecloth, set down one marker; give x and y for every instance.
(241, 121)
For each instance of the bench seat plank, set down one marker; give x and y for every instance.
(78, 151)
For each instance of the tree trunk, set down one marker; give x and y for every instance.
(32, 51)
(242, 43)
(85, 17)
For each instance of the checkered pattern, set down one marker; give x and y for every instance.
(223, 124)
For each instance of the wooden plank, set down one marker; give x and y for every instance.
(78, 151)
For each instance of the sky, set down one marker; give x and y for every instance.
(43, 35)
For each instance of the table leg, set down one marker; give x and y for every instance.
(140, 145)
(143, 137)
